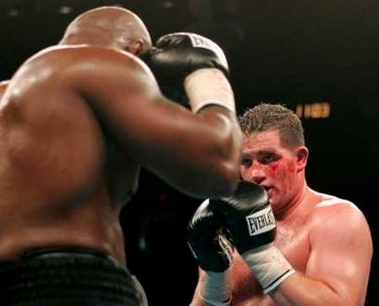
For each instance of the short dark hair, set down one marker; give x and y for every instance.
(277, 117)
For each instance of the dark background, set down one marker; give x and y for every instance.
(300, 53)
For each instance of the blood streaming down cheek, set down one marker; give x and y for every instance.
(280, 168)
(272, 169)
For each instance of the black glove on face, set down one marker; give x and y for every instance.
(248, 216)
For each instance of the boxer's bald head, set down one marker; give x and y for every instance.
(109, 26)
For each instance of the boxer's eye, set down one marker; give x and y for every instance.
(246, 162)
(268, 158)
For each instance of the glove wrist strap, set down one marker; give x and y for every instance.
(269, 266)
(216, 288)
(209, 86)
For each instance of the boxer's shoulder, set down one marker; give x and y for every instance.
(81, 54)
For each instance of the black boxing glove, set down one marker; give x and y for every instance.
(208, 241)
(212, 249)
(192, 66)
(248, 216)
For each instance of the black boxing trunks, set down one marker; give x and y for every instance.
(68, 276)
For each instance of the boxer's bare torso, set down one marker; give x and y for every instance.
(299, 233)
(293, 239)
(63, 179)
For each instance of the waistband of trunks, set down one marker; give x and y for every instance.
(67, 275)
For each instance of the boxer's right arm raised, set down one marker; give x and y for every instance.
(197, 153)
(195, 67)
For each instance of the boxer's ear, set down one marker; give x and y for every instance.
(135, 47)
(302, 154)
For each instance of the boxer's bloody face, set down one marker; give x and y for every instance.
(267, 162)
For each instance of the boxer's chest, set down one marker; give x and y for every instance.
(293, 243)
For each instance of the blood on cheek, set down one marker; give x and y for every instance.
(271, 169)
(279, 168)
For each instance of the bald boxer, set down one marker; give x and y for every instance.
(77, 122)
(276, 241)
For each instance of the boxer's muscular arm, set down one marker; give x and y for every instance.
(196, 153)
(339, 265)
